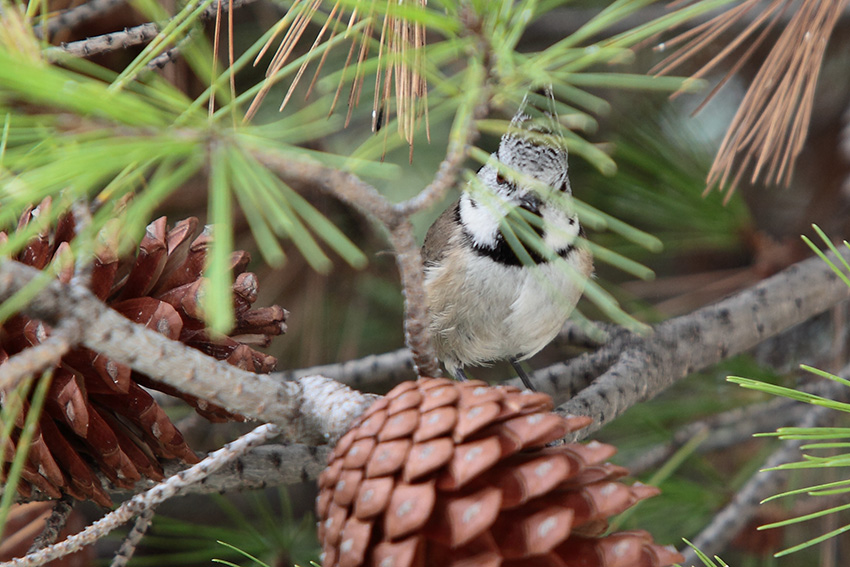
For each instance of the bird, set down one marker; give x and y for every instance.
(485, 303)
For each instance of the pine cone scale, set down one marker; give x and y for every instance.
(149, 263)
(409, 508)
(66, 402)
(425, 458)
(372, 497)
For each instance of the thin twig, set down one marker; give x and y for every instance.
(447, 174)
(416, 331)
(361, 373)
(83, 264)
(147, 500)
(73, 17)
(168, 56)
(53, 525)
(129, 37)
(107, 42)
(131, 542)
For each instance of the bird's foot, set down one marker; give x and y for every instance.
(460, 374)
(522, 374)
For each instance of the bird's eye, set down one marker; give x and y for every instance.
(500, 179)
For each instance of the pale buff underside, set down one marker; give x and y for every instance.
(508, 311)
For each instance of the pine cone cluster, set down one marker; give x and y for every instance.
(98, 415)
(458, 474)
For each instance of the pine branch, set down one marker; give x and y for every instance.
(268, 465)
(377, 371)
(170, 55)
(642, 367)
(632, 368)
(361, 373)
(73, 17)
(106, 42)
(312, 410)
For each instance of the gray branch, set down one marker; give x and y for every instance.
(131, 542)
(362, 373)
(53, 525)
(128, 37)
(312, 410)
(633, 368)
(377, 371)
(268, 465)
(642, 367)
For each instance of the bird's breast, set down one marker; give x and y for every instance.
(483, 310)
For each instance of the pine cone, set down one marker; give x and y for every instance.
(458, 474)
(98, 416)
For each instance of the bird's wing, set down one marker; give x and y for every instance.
(437, 238)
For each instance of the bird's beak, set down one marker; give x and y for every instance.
(531, 202)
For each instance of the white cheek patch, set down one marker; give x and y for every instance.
(559, 227)
(480, 220)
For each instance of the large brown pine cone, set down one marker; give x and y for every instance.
(446, 474)
(98, 415)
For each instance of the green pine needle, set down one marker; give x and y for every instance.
(705, 558)
(217, 300)
(240, 552)
(170, 34)
(813, 541)
(36, 403)
(788, 393)
(840, 484)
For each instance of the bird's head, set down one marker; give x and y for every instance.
(531, 162)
